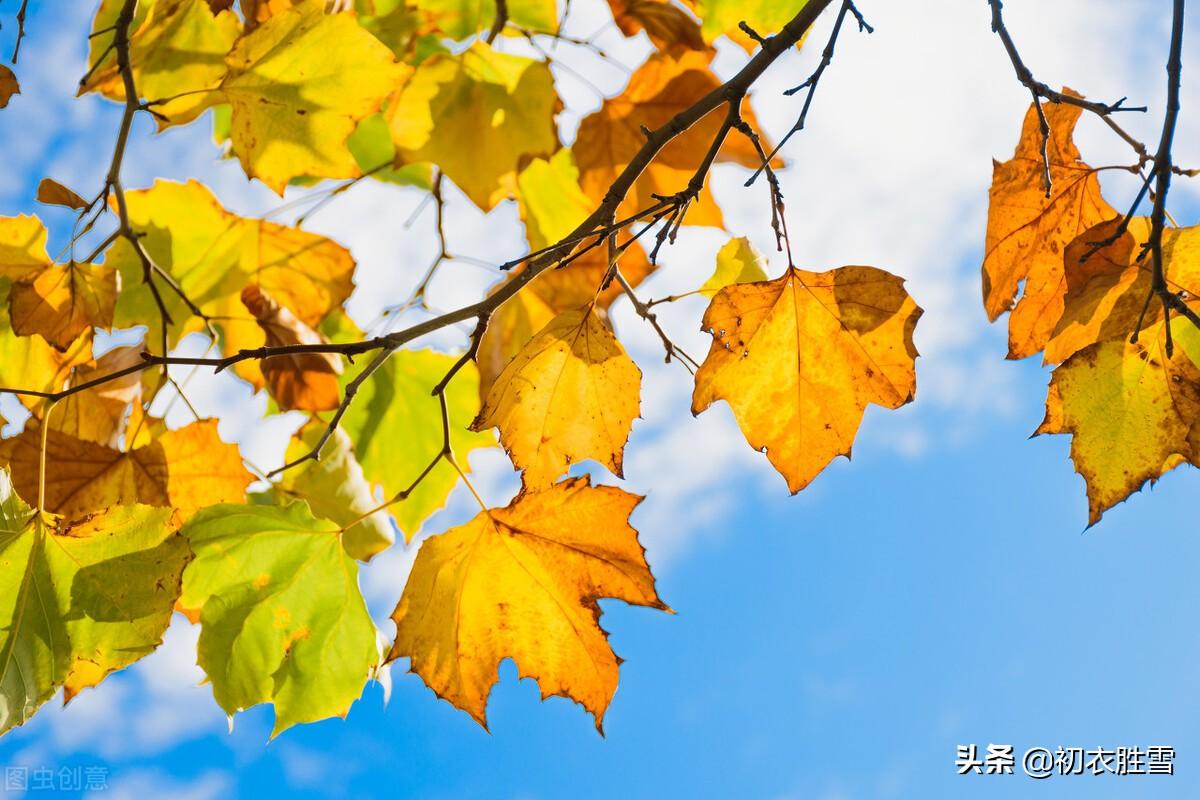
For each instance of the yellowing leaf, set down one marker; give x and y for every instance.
(212, 255)
(460, 19)
(571, 394)
(99, 414)
(1107, 291)
(336, 489)
(282, 619)
(60, 303)
(298, 85)
(80, 600)
(1132, 412)
(176, 49)
(306, 381)
(8, 85)
(30, 362)
(765, 17)
(22, 247)
(1028, 232)
(505, 101)
(665, 85)
(186, 468)
(53, 193)
(799, 358)
(665, 23)
(395, 423)
(737, 262)
(522, 582)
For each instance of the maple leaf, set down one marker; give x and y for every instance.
(336, 489)
(298, 84)
(9, 85)
(59, 303)
(725, 17)
(281, 618)
(307, 381)
(522, 582)
(461, 19)
(176, 52)
(212, 255)
(571, 394)
(665, 23)
(33, 363)
(1107, 289)
(80, 599)
(737, 262)
(395, 405)
(451, 98)
(665, 85)
(1028, 232)
(1133, 413)
(186, 468)
(800, 357)
(22, 248)
(99, 414)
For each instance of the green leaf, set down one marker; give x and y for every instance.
(282, 618)
(396, 425)
(337, 490)
(80, 600)
(371, 145)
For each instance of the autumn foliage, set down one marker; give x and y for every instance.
(110, 520)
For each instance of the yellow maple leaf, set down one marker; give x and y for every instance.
(22, 247)
(505, 103)
(102, 413)
(799, 358)
(737, 262)
(1027, 232)
(522, 582)
(59, 303)
(1106, 291)
(662, 87)
(176, 52)
(298, 84)
(1133, 412)
(572, 393)
(186, 468)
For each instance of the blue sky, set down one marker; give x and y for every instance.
(938, 590)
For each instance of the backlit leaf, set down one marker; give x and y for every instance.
(665, 85)
(507, 101)
(395, 423)
(799, 358)
(571, 394)
(81, 599)
(305, 381)
(1027, 232)
(59, 303)
(298, 85)
(737, 262)
(282, 619)
(522, 582)
(186, 468)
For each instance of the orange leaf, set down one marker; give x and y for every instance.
(664, 22)
(522, 582)
(186, 468)
(8, 85)
(53, 193)
(608, 139)
(799, 358)
(304, 381)
(61, 302)
(1027, 232)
